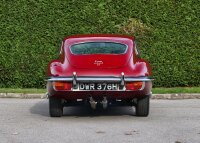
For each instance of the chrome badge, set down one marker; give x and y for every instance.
(98, 63)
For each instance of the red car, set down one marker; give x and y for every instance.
(100, 70)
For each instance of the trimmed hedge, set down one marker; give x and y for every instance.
(168, 35)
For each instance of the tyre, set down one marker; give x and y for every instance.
(55, 107)
(142, 107)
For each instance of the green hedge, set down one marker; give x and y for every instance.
(168, 34)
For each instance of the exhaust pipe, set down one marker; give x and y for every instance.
(93, 103)
(104, 102)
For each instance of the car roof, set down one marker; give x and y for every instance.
(102, 36)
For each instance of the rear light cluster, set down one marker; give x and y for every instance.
(137, 85)
(59, 85)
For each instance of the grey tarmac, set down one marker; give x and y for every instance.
(170, 121)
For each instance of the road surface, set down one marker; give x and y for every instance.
(170, 121)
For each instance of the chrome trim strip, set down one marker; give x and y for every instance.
(74, 80)
(100, 79)
(143, 85)
(60, 79)
(122, 79)
(138, 79)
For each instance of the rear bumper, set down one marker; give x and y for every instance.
(121, 94)
(99, 79)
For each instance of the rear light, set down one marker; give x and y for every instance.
(58, 85)
(137, 85)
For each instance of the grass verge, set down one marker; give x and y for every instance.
(176, 90)
(22, 90)
(155, 90)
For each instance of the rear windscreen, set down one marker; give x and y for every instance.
(98, 48)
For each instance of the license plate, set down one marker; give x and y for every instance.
(98, 86)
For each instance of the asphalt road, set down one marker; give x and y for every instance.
(170, 121)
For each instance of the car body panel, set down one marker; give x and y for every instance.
(73, 95)
(120, 68)
(108, 60)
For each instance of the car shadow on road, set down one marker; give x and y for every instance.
(42, 108)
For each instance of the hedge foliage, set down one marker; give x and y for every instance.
(167, 31)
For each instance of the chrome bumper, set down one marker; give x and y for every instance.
(74, 79)
(121, 80)
(86, 79)
(99, 79)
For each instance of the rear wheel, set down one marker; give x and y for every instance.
(55, 107)
(142, 107)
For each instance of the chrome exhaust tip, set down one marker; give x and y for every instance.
(93, 103)
(104, 103)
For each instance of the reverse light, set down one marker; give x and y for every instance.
(137, 85)
(58, 85)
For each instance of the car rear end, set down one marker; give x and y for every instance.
(101, 70)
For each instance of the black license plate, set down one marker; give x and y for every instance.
(98, 86)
